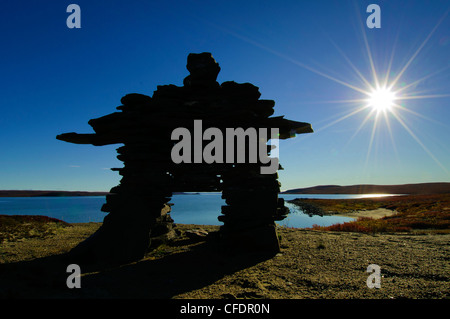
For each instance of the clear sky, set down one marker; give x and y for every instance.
(316, 59)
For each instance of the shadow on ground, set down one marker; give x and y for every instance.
(160, 278)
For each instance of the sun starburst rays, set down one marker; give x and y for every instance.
(383, 105)
(384, 100)
(381, 96)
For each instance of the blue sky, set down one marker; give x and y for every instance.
(305, 55)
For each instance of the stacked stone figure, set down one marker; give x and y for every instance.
(138, 209)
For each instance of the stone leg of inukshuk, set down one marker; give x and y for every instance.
(147, 186)
(137, 209)
(248, 217)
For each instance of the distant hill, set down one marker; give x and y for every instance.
(25, 193)
(413, 189)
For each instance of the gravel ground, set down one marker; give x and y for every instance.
(311, 265)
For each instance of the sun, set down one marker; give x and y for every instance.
(381, 99)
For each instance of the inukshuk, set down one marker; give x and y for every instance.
(138, 207)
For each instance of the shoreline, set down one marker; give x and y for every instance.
(312, 263)
(370, 213)
(49, 193)
(407, 189)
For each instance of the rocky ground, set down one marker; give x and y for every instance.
(311, 265)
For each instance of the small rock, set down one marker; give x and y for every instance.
(197, 234)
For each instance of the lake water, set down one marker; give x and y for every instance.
(200, 209)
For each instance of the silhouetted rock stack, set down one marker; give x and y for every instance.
(138, 207)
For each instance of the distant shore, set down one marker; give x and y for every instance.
(404, 189)
(33, 193)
